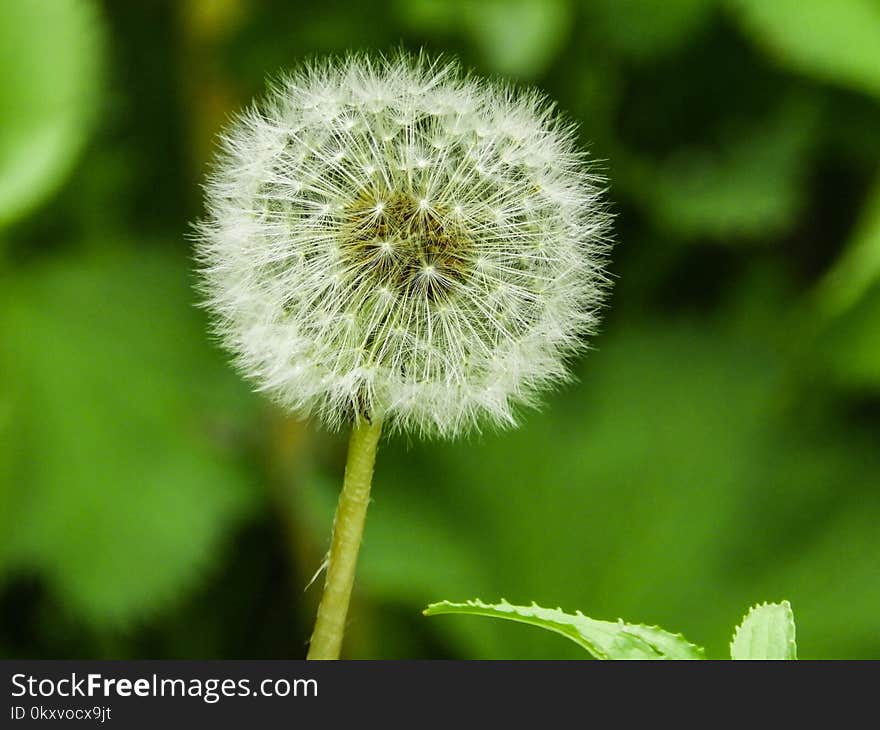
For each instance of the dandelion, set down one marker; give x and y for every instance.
(395, 244)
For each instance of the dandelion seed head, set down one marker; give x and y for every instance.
(394, 238)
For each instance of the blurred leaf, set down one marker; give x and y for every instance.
(516, 37)
(848, 301)
(125, 482)
(423, 15)
(520, 37)
(858, 268)
(645, 29)
(850, 344)
(602, 639)
(752, 185)
(767, 632)
(7, 426)
(832, 41)
(49, 78)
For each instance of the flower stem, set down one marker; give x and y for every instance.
(348, 528)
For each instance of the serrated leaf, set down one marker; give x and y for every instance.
(833, 41)
(766, 632)
(602, 639)
(124, 481)
(50, 68)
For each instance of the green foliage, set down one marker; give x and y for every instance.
(645, 29)
(848, 304)
(767, 632)
(50, 67)
(721, 440)
(516, 37)
(751, 186)
(602, 639)
(851, 344)
(858, 268)
(833, 41)
(121, 484)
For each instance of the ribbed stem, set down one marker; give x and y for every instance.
(348, 529)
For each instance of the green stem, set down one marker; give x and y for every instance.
(348, 528)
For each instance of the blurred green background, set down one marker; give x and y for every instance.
(719, 448)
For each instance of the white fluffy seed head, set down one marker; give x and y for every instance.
(393, 238)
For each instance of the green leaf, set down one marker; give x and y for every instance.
(126, 480)
(858, 268)
(602, 639)
(835, 41)
(516, 37)
(646, 29)
(766, 632)
(850, 344)
(848, 306)
(520, 38)
(50, 69)
(752, 185)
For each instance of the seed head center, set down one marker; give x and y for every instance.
(405, 244)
